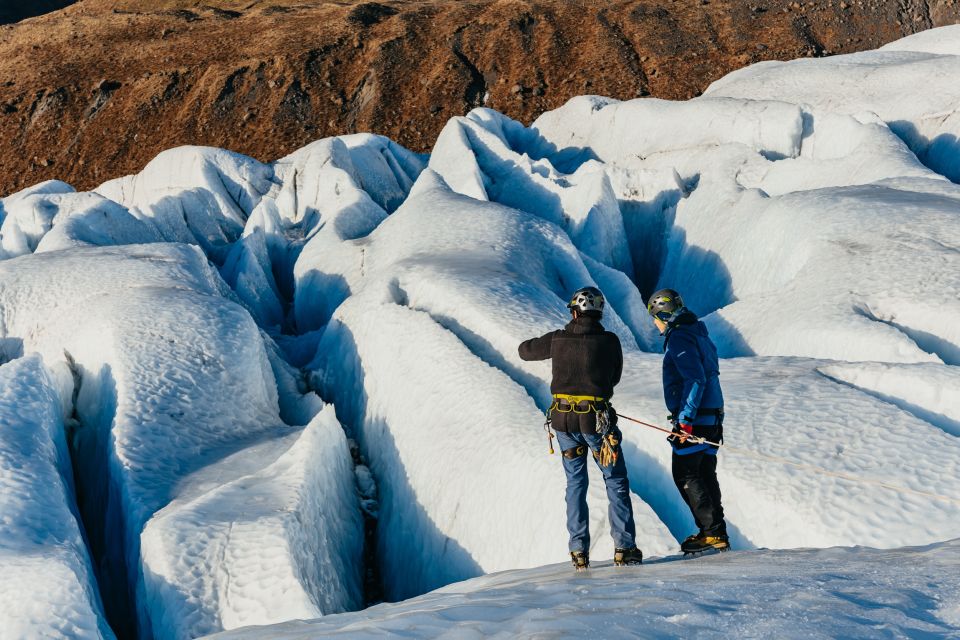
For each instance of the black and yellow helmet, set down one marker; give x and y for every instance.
(665, 304)
(586, 299)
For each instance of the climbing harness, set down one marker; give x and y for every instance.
(567, 403)
(799, 465)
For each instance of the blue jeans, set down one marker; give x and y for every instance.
(622, 528)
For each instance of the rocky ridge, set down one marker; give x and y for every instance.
(97, 89)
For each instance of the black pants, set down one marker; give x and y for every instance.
(696, 477)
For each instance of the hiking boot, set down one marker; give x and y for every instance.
(689, 540)
(623, 557)
(703, 542)
(580, 560)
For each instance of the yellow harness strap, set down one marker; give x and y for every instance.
(577, 399)
(609, 451)
(574, 402)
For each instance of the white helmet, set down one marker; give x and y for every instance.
(586, 299)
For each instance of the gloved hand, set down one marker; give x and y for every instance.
(686, 430)
(609, 448)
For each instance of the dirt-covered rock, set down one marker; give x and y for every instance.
(95, 90)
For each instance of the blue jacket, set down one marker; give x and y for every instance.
(691, 371)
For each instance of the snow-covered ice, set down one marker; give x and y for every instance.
(170, 376)
(194, 194)
(52, 221)
(824, 273)
(47, 586)
(928, 391)
(784, 242)
(913, 84)
(181, 319)
(475, 156)
(608, 130)
(452, 429)
(827, 433)
(338, 190)
(278, 543)
(810, 593)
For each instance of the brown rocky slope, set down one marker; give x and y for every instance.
(96, 90)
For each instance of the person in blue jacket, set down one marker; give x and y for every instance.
(691, 389)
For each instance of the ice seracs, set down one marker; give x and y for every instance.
(194, 194)
(170, 376)
(785, 220)
(421, 363)
(185, 315)
(47, 587)
(610, 130)
(338, 189)
(268, 534)
(912, 84)
(52, 221)
(485, 156)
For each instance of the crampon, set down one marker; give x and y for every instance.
(580, 560)
(623, 557)
(699, 544)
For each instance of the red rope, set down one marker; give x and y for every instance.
(694, 439)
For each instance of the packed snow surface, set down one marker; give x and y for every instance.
(177, 329)
(854, 592)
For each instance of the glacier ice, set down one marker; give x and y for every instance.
(893, 82)
(185, 316)
(830, 593)
(279, 542)
(171, 376)
(47, 585)
(451, 430)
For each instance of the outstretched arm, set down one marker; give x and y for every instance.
(536, 348)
